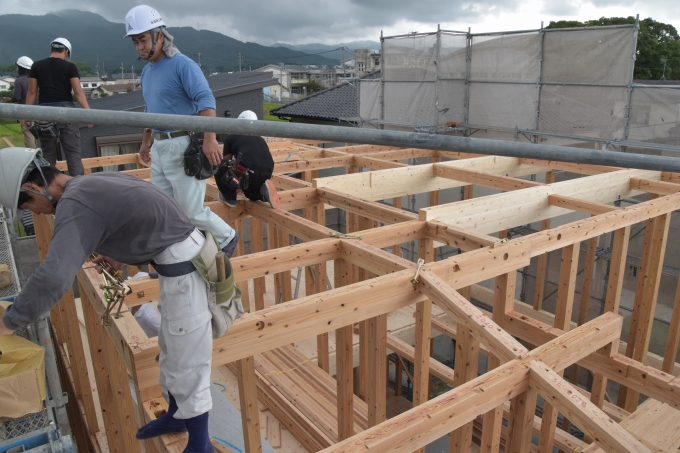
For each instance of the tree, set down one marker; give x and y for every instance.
(313, 86)
(656, 41)
(84, 69)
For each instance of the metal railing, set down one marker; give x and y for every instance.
(342, 134)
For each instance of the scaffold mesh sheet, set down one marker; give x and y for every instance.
(590, 55)
(506, 57)
(655, 115)
(514, 105)
(411, 58)
(585, 111)
(369, 98)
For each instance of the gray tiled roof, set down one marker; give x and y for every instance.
(335, 103)
(220, 84)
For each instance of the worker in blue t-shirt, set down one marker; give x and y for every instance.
(172, 83)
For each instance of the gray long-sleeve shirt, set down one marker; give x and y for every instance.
(117, 215)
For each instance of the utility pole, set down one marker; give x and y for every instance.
(241, 59)
(199, 58)
(122, 72)
(282, 83)
(663, 75)
(133, 77)
(97, 65)
(343, 61)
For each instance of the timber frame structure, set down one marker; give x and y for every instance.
(528, 349)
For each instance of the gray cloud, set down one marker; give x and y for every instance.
(269, 21)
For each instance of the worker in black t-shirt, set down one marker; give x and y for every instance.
(250, 171)
(56, 77)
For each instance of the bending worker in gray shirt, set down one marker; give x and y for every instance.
(128, 221)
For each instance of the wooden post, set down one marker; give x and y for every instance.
(257, 245)
(504, 302)
(612, 302)
(542, 267)
(344, 367)
(398, 373)
(377, 367)
(649, 298)
(423, 332)
(521, 422)
(120, 386)
(563, 310)
(671, 351)
(586, 288)
(434, 195)
(250, 415)
(396, 248)
(465, 369)
(101, 375)
(247, 392)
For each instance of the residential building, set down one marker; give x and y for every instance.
(4, 86)
(9, 79)
(292, 80)
(365, 62)
(89, 85)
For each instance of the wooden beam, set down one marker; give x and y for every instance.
(445, 413)
(313, 164)
(673, 335)
(507, 210)
(606, 433)
(464, 239)
(542, 264)
(504, 183)
(376, 164)
(624, 370)
(370, 209)
(485, 330)
(581, 169)
(575, 204)
(651, 186)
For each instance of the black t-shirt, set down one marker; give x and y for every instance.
(54, 79)
(254, 151)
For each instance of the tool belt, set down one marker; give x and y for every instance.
(224, 298)
(196, 163)
(233, 175)
(44, 130)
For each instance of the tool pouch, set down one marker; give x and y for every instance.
(44, 130)
(224, 298)
(196, 164)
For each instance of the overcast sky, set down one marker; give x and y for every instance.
(329, 22)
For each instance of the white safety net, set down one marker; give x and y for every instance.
(506, 57)
(590, 55)
(571, 84)
(410, 103)
(655, 115)
(452, 56)
(411, 58)
(585, 111)
(503, 105)
(369, 99)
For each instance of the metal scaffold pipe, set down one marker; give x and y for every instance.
(342, 134)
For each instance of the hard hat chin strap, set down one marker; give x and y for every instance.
(154, 39)
(46, 192)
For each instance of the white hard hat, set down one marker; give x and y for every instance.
(15, 165)
(65, 43)
(25, 62)
(247, 115)
(140, 19)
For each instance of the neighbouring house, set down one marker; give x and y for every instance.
(4, 86)
(89, 86)
(8, 79)
(233, 92)
(364, 61)
(293, 80)
(338, 106)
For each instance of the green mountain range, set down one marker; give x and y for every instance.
(96, 40)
